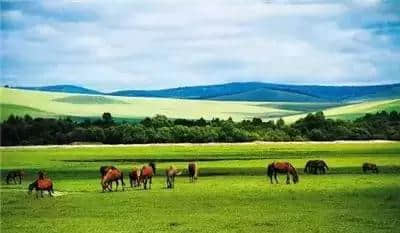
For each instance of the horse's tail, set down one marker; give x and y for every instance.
(270, 169)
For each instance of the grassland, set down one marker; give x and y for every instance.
(231, 195)
(52, 104)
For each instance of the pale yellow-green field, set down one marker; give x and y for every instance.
(37, 103)
(134, 107)
(353, 111)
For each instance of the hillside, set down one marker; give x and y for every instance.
(52, 104)
(252, 91)
(62, 88)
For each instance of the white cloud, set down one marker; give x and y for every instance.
(167, 43)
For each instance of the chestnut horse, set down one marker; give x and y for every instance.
(14, 174)
(370, 167)
(285, 168)
(170, 173)
(193, 171)
(146, 175)
(112, 175)
(134, 176)
(41, 184)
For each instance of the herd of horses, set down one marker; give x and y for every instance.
(144, 175)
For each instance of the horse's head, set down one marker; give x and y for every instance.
(295, 178)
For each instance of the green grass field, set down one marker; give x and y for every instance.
(20, 102)
(231, 195)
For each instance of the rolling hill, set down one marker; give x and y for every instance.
(252, 91)
(255, 91)
(79, 106)
(63, 88)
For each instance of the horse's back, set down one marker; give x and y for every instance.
(44, 184)
(147, 171)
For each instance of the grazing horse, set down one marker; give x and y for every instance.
(146, 175)
(104, 170)
(134, 176)
(41, 184)
(14, 174)
(170, 173)
(282, 167)
(370, 167)
(153, 165)
(112, 175)
(313, 166)
(193, 171)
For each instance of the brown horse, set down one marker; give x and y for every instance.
(134, 176)
(153, 166)
(313, 166)
(285, 168)
(112, 175)
(41, 184)
(14, 174)
(104, 170)
(370, 167)
(170, 173)
(193, 171)
(146, 175)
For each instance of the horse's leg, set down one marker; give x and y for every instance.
(50, 193)
(41, 193)
(167, 182)
(173, 181)
(287, 178)
(20, 180)
(145, 183)
(15, 181)
(270, 177)
(276, 178)
(150, 182)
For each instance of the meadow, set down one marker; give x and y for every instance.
(51, 104)
(232, 193)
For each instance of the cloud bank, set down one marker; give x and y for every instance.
(167, 43)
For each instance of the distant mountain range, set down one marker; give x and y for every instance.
(251, 91)
(63, 88)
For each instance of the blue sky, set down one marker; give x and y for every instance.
(153, 44)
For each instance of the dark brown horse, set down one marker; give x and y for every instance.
(193, 171)
(134, 176)
(112, 175)
(153, 166)
(14, 174)
(170, 173)
(146, 175)
(313, 166)
(370, 167)
(284, 168)
(41, 184)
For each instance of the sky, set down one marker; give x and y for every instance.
(153, 44)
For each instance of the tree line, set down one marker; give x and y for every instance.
(160, 129)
